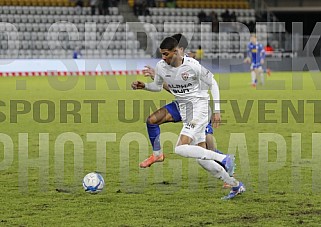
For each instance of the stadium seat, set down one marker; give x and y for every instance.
(36, 17)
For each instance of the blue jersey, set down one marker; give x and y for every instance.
(256, 52)
(76, 54)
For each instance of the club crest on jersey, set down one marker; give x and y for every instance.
(185, 76)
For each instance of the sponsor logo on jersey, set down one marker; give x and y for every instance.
(180, 88)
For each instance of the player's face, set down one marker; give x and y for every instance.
(253, 39)
(169, 56)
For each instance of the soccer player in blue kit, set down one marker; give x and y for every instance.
(255, 56)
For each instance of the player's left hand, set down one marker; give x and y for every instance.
(262, 61)
(149, 71)
(216, 120)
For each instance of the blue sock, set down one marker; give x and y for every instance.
(154, 133)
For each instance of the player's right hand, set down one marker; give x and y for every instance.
(138, 85)
(247, 60)
(149, 71)
(216, 120)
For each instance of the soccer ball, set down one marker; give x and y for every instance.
(93, 183)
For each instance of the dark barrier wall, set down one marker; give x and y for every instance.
(275, 64)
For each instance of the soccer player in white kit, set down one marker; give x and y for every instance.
(188, 81)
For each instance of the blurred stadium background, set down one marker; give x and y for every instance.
(40, 37)
(54, 29)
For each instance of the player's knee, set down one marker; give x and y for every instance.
(150, 120)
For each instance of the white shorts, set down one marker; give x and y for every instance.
(256, 66)
(195, 118)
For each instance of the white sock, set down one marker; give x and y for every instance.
(193, 151)
(218, 171)
(253, 76)
(262, 77)
(157, 153)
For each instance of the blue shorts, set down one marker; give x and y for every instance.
(172, 108)
(209, 129)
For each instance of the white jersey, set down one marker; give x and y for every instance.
(189, 82)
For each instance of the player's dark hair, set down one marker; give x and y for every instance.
(181, 39)
(168, 43)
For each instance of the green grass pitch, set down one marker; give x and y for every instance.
(48, 142)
